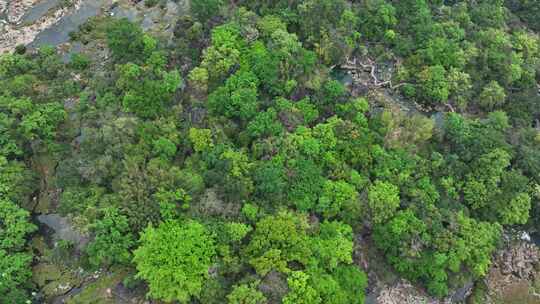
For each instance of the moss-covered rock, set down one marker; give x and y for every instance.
(53, 280)
(38, 245)
(99, 291)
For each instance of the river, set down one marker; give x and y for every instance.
(59, 32)
(39, 10)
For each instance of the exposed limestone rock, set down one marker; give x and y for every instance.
(16, 9)
(3, 5)
(404, 293)
(514, 269)
(518, 260)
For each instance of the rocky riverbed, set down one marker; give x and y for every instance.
(48, 22)
(14, 32)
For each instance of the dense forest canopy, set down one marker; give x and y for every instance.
(230, 164)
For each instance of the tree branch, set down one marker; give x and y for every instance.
(356, 67)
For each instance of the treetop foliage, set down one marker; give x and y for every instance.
(238, 161)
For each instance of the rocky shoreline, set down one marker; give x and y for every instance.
(14, 33)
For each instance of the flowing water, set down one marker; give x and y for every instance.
(59, 32)
(39, 10)
(62, 229)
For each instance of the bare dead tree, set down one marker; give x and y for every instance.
(355, 66)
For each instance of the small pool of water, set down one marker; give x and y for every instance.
(342, 76)
(370, 299)
(535, 238)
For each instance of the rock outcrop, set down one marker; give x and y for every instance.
(519, 260)
(16, 9)
(511, 278)
(404, 292)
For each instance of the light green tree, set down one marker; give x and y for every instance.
(300, 292)
(174, 259)
(492, 96)
(246, 294)
(383, 201)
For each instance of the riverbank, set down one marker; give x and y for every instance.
(14, 32)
